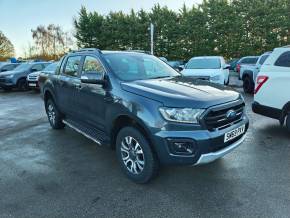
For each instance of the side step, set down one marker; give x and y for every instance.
(90, 133)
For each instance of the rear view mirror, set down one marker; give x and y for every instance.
(93, 77)
(33, 70)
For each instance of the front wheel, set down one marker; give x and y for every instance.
(22, 85)
(54, 116)
(135, 155)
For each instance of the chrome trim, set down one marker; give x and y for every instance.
(210, 157)
(81, 132)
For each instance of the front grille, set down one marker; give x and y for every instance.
(2, 80)
(32, 78)
(216, 117)
(201, 77)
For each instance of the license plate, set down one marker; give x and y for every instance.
(32, 84)
(234, 133)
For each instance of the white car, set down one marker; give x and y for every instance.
(212, 68)
(272, 88)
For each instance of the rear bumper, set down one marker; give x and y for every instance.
(266, 111)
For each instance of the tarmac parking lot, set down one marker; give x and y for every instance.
(48, 173)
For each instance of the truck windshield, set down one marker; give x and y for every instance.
(129, 67)
(204, 63)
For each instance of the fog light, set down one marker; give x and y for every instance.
(182, 147)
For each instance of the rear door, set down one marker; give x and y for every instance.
(67, 84)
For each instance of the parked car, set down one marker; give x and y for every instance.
(32, 78)
(233, 64)
(4, 66)
(248, 73)
(249, 60)
(272, 90)
(17, 77)
(177, 65)
(211, 68)
(144, 109)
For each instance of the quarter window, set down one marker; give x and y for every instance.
(72, 66)
(92, 65)
(283, 60)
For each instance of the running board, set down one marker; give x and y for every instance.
(78, 129)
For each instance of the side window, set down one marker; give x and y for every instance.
(283, 60)
(92, 65)
(37, 67)
(263, 59)
(72, 66)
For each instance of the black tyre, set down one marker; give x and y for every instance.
(54, 116)
(135, 155)
(22, 85)
(288, 122)
(248, 85)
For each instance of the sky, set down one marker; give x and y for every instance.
(18, 17)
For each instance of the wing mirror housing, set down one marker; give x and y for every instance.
(93, 77)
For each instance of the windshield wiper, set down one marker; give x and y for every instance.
(160, 77)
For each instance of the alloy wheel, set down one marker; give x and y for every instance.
(132, 155)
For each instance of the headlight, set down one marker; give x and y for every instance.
(9, 76)
(215, 78)
(182, 115)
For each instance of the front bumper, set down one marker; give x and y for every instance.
(210, 157)
(33, 84)
(209, 145)
(6, 83)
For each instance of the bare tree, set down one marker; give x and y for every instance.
(6, 47)
(51, 40)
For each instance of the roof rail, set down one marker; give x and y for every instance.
(87, 49)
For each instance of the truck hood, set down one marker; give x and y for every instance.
(201, 72)
(182, 92)
(8, 73)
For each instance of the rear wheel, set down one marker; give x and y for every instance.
(54, 116)
(22, 85)
(135, 155)
(248, 85)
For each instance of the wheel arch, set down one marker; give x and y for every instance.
(285, 110)
(124, 120)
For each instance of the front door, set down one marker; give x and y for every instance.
(91, 97)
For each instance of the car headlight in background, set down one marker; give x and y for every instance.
(215, 78)
(182, 115)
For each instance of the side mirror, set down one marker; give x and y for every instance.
(226, 66)
(180, 68)
(93, 77)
